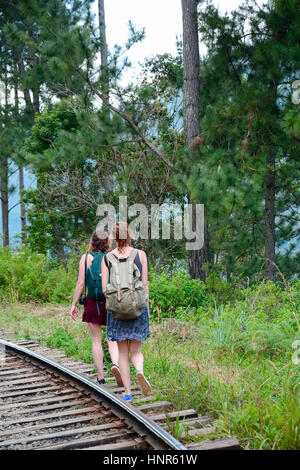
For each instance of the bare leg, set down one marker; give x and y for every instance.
(113, 351)
(137, 358)
(124, 365)
(96, 332)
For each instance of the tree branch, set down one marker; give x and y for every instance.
(11, 208)
(152, 147)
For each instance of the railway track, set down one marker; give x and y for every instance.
(51, 402)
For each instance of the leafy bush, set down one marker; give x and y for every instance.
(29, 276)
(61, 283)
(267, 300)
(171, 296)
(220, 289)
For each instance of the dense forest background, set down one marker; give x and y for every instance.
(85, 139)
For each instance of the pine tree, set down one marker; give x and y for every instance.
(200, 259)
(249, 163)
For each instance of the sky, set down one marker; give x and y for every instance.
(162, 20)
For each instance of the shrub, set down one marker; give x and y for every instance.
(177, 293)
(29, 276)
(61, 284)
(220, 289)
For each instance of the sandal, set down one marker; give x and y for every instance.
(145, 386)
(116, 371)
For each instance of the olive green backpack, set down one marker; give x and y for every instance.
(125, 294)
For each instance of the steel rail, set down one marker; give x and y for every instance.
(143, 420)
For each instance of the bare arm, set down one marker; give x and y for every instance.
(80, 285)
(143, 259)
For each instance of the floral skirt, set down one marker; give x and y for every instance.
(120, 330)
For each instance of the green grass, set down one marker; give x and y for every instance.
(221, 347)
(249, 386)
(249, 398)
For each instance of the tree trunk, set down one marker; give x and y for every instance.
(103, 50)
(36, 101)
(21, 68)
(4, 201)
(4, 177)
(21, 171)
(200, 259)
(59, 250)
(270, 219)
(191, 115)
(22, 205)
(191, 71)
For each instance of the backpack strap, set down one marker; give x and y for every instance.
(85, 263)
(115, 261)
(97, 301)
(133, 254)
(131, 259)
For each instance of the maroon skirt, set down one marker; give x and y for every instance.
(90, 313)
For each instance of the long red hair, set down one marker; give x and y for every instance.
(121, 235)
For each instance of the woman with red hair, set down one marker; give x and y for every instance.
(129, 334)
(99, 242)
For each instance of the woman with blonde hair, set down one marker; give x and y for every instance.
(94, 313)
(129, 334)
